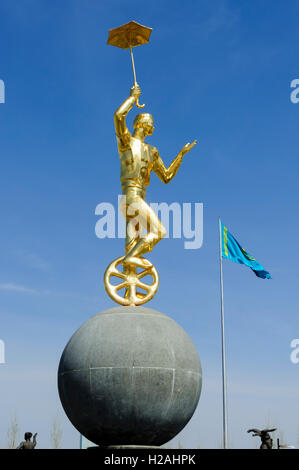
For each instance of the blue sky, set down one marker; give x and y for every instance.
(217, 71)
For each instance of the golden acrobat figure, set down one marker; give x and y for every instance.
(137, 160)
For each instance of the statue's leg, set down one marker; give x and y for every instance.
(146, 218)
(131, 218)
(132, 227)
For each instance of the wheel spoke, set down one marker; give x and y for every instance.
(121, 285)
(140, 295)
(143, 286)
(144, 273)
(115, 272)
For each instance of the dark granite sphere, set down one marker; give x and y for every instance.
(129, 376)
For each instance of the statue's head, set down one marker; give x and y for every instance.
(28, 436)
(144, 121)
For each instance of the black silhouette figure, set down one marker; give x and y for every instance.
(28, 444)
(267, 442)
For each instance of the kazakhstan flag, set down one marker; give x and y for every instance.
(232, 250)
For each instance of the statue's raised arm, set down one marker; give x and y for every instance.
(122, 132)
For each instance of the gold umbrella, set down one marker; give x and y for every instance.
(130, 35)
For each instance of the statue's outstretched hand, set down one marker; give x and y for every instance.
(187, 147)
(135, 91)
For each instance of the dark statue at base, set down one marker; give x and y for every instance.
(28, 444)
(267, 442)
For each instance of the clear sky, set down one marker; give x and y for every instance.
(219, 71)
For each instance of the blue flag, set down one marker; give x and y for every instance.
(231, 249)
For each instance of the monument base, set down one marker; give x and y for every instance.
(129, 375)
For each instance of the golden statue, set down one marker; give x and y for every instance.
(137, 160)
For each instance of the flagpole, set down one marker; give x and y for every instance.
(224, 403)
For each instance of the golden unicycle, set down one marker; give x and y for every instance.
(131, 290)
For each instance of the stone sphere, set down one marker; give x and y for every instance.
(129, 376)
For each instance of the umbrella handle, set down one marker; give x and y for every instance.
(137, 103)
(135, 81)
